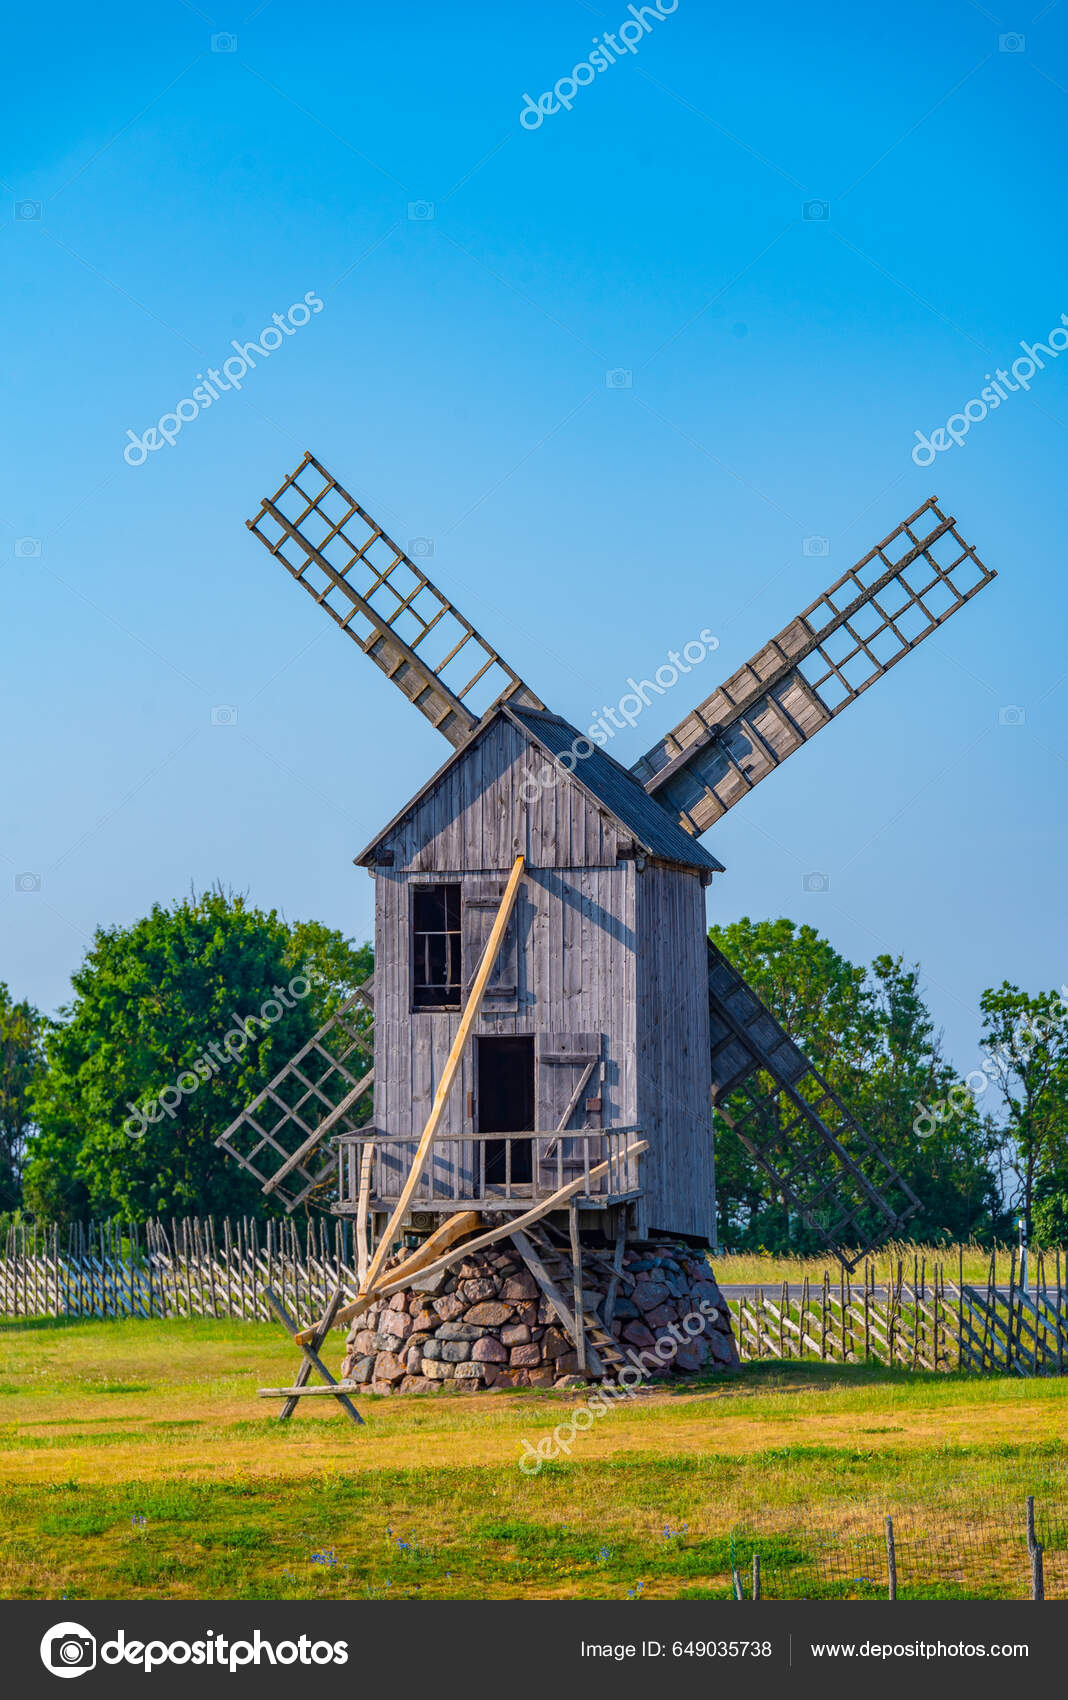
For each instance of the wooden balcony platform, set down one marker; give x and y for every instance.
(456, 1179)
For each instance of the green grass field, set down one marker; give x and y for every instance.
(974, 1260)
(136, 1461)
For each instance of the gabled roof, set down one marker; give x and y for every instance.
(617, 790)
(604, 780)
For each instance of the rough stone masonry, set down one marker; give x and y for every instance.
(485, 1324)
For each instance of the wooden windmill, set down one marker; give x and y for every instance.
(551, 1025)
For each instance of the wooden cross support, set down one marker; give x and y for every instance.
(395, 1279)
(312, 1361)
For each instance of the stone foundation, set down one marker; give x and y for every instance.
(484, 1324)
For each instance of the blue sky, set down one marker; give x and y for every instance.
(169, 191)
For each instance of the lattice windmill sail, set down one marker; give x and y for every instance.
(606, 1025)
(864, 624)
(385, 603)
(812, 1150)
(281, 1137)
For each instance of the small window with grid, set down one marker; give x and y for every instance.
(436, 945)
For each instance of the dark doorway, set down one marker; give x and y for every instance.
(505, 1097)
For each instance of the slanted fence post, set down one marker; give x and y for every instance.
(891, 1561)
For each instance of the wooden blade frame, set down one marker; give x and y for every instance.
(816, 1156)
(868, 621)
(321, 1090)
(386, 604)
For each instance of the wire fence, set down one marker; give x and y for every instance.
(993, 1549)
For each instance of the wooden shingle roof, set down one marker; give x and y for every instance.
(608, 785)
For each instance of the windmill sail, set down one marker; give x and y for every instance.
(386, 604)
(808, 1145)
(811, 1151)
(864, 624)
(278, 1138)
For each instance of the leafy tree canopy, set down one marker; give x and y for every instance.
(1026, 1040)
(21, 1062)
(141, 1075)
(871, 1035)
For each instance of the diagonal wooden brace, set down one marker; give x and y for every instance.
(312, 1361)
(448, 1076)
(398, 1278)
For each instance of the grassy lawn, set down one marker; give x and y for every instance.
(974, 1259)
(136, 1461)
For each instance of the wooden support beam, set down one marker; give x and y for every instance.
(367, 1157)
(398, 1278)
(452, 1229)
(449, 1073)
(570, 1320)
(318, 1335)
(301, 1392)
(576, 1285)
(304, 1339)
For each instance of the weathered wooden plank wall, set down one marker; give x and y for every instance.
(575, 963)
(574, 930)
(604, 944)
(674, 1106)
(489, 808)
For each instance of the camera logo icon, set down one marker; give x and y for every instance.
(816, 546)
(818, 210)
(224, 714)
(420, 211)
(224, 42)
(27, 548)
(1013, 42)
(420, 548)
(68, 1649)
(27, 209)
(27, 882)
(619, 378)
(815, 882)
(1012, 715)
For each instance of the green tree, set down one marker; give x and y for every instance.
(947, 1159)
(871, 1035)
(1026, 1040)
(177, 1021)
(21, 1062)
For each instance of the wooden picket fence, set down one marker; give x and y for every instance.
(915, 1318)
(928, 1322)
(187, 1267)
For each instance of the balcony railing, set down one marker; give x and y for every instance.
(490, 1170)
